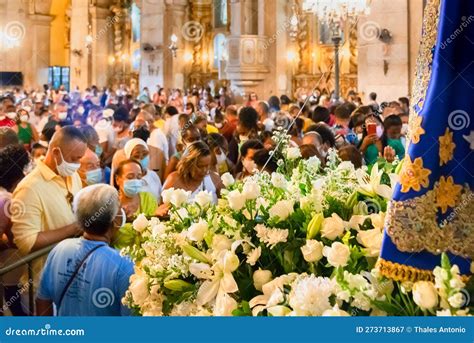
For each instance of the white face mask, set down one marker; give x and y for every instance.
(359, 136)
(2, 117)
(221, 158)
(62, 115)
(66, 168)
(24, 118)
(219, 125)
(249, 166)
(11, 115)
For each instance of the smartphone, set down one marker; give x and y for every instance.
(371, 128)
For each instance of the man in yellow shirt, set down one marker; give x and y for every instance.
(46, 194)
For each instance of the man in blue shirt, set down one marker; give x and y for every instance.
(85, 276)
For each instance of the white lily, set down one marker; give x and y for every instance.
(370, 185)
(219, 282)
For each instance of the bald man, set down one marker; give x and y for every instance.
(44, 197)
(90, 171)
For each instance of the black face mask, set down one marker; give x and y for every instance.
(142, 133)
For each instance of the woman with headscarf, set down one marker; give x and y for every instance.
(137, 149)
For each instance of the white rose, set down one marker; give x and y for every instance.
(377, 220)
(372, 240)
(312, 250)
(356, 221)
(261, 277)
(179, 197)
(293, 153)
(335, 312)
(227, 179)
(425, 295)
(140, 223)
(166, 195)
(282, 209)
(139, 289)
(332, 227)
(337, 255)
(203, 198)
(197, 231)
(279, 180)
(251, 190)
(254, 255)
(278, 311)
(221, 242)
(236, 200)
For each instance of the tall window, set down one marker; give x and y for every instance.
(220, 13)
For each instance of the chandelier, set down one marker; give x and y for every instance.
(330, 11)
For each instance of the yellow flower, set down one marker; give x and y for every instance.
(446, 147)
(413, 175)
(415, 129)
(446, 193)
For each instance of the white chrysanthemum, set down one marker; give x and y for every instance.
(271, 237)
(309, 295)
(254, 255)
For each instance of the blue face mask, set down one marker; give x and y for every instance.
(145, 162)
(132, 187)
(98, 150)
(94, 176)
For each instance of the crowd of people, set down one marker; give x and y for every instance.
(76, 167)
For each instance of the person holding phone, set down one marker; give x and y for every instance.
(370, 145)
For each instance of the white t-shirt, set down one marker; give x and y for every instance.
(105, 132)
(152, 184)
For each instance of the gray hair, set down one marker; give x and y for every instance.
(96, 207)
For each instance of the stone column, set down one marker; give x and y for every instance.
(174, 23)
(37, 65)
(102, 20)
(385, 68)
(248, 53)
(152, 26)
(80, 58)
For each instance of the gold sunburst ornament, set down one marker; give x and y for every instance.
(447, 193)
(446, 147)
(413, 175)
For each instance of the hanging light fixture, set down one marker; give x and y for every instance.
(329, 11)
